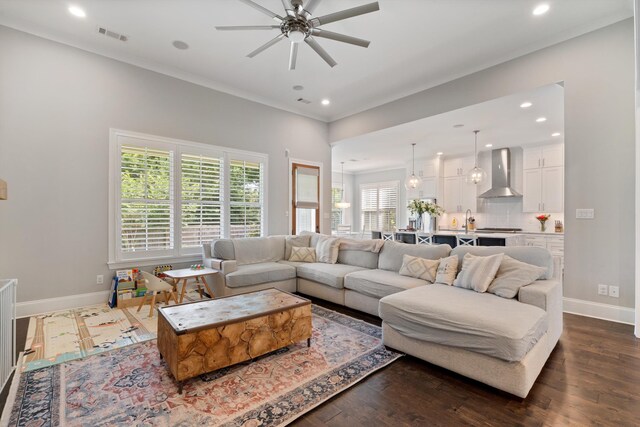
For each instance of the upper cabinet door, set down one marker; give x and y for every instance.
(532, 191)
(428, 168)
(451, 194)
(452, 167)
(531, 158)
(553, 189)
(467, 164)
(553, 156)
(429, 188)
(469, 199)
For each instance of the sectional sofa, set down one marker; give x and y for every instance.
(498, 341)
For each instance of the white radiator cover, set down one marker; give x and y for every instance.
(7, 329)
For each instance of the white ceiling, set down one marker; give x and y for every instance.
(415, 44)
(501, 122)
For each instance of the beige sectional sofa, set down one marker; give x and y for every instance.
(501, 342)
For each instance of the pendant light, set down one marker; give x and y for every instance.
(476, 175)
(413, 181)
(342, 204)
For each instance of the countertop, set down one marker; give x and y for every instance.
(458, 232)
(540, 233)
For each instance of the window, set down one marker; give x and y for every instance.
(169, 197)
(337, 214)
(379, 206)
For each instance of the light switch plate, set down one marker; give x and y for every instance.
(585, 213)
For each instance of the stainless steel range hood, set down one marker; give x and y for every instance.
(500, 176)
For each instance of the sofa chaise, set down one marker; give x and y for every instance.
(503, 342)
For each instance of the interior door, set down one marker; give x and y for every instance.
(305, 203)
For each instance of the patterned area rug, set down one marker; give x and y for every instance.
(66, 335)
(132, 386)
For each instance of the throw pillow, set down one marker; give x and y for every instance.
(301, 241)
(420, 268)
(447, 270)
(478, 271)
(512, 275)
(327, 249)
(302, 254)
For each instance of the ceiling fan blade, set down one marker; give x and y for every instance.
(266, 46)
(262, 9)
(247, 27)
(340, 37)
(293, 56)
(345, 14)
(310, 6)
(320, 51)
(288, 7)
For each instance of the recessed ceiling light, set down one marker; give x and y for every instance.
(541, 119)
(325, 102)
(439, 153)
(298, 87)
(76, 11)
(489, 145)
(555, 134)
(458, 126)
(541, 9)
(526, 104)
(179, 44)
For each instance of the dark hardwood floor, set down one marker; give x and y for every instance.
(591, 378)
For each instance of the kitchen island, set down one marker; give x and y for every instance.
(449, 238)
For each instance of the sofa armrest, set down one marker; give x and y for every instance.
(225, 266)
(546, 294)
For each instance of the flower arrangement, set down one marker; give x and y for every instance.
(543, 219)
(420, 207)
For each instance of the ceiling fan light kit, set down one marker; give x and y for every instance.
(298, 26)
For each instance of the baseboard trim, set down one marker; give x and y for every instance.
(32, 308)
(612, 313)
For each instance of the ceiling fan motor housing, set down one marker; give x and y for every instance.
(296, 29)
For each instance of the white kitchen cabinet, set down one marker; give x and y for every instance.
(459, 166)
(459, 195)
(429, 188)
(546, 156)
(543, 179)
(553, 243)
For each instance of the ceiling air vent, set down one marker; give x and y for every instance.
(304, 101)
(112, 34)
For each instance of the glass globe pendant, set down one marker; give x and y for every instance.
(342, 204)
(413, 181)
(476, 175)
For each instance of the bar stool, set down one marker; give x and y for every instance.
(466, 240)
(387, 236)
(425, 239)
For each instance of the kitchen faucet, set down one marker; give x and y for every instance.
(467, 215)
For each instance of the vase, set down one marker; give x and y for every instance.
(433, 224)
(419, 223)
(543, 226)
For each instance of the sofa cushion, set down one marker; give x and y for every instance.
(291, 241)
(392, 252)
(380, 283)
(223, 249)
(512, 275)
(361, 253)
(529, 254)
(255, 274)
(327, 274)
(254, 250)
(457, 317)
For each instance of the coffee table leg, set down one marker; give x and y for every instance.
(308, 342)
(206, 286)
(180, 384)
(184, 288)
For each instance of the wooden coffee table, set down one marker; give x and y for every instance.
(202, 336)
(185, 274)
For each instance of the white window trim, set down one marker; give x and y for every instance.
(115, 259)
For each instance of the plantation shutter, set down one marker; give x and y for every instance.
(379, 205)
(307, 188)
(246, 188)
(369, 207)
(146, 200)
(201, 207)
(336, 213)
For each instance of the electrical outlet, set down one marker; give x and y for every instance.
(614, 291)
(99, 279)
(602, 290)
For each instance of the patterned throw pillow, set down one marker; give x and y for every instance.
(302, 254)
(327, 249)
(420, 268)
(478, 272)
(512, 275)
(447, 270)
(291, 241)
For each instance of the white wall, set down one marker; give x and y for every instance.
(57, 104)
(382, 176)
(598, 74)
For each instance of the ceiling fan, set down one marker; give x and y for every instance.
(298, 25)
